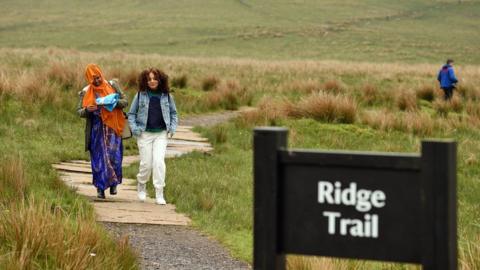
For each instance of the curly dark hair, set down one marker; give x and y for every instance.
(161, 77)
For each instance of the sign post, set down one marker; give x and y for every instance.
(266, 253)
(376, 206)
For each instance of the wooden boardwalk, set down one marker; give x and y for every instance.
(125, 207)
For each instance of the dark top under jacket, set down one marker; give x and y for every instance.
(155, 121)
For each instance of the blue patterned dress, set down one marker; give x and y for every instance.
(106, 153)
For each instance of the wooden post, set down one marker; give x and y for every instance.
(266, 143)
(439, 188)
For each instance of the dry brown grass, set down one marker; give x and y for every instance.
(334, 86)
(443, 107)
(426, 92)
(473, 109)
(130, 77)
(469, 259)
(180, 81)
(229, 95)
(5, 84)
(412, 122)
(210, 82)
(269, 112)
(468, 91)
(29, 86)
(420, 124)
(295, 262)
(36, 234)
(302, 86)
(13, 182)
(406, 100)
(68, 75)
(127, 77)
(456, 103)
(330, 108)
(369, 93)
(320, 106)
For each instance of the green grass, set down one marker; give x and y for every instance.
(38, 126)
(42, 218)
(370, 30)
(218, 196)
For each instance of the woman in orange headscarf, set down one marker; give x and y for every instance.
(103, 131)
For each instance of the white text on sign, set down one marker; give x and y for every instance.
(362, 199)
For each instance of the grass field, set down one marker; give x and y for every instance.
(359, 106)
(359, 73)
(414, 31)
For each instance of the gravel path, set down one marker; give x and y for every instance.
(178, 247)
(174, 247)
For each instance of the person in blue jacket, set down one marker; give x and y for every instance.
(447, 79)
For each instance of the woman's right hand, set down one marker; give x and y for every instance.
(92, 108)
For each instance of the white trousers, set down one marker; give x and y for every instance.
(152, 147)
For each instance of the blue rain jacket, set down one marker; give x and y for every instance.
(446, 77)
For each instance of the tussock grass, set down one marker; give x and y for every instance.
(468, 91)
(456, 103)
(406, 100)
(66, 74)
(13, 182)
(180, 81)
(127, 76)
(411, 122)
(320, 106)
(210, 82)
(443, 107)
(334, 86)
(269, 112)
(229, 95)
(5, 85)
(369, 93)
(40, 237)
(330, 108)
(473, 109)
(426, 92)
(302, 86)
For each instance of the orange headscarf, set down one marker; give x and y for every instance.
(113, 119)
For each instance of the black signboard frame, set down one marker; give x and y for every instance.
(433, 188)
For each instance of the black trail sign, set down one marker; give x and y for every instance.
(376, 206)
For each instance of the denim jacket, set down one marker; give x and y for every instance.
(138, 114)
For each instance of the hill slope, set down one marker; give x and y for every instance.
(369, 30)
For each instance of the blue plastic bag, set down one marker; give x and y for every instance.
(108, 102)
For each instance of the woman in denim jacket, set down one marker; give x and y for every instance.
(152, 117)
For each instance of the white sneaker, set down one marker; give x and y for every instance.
(159, 197)
(142, 192)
